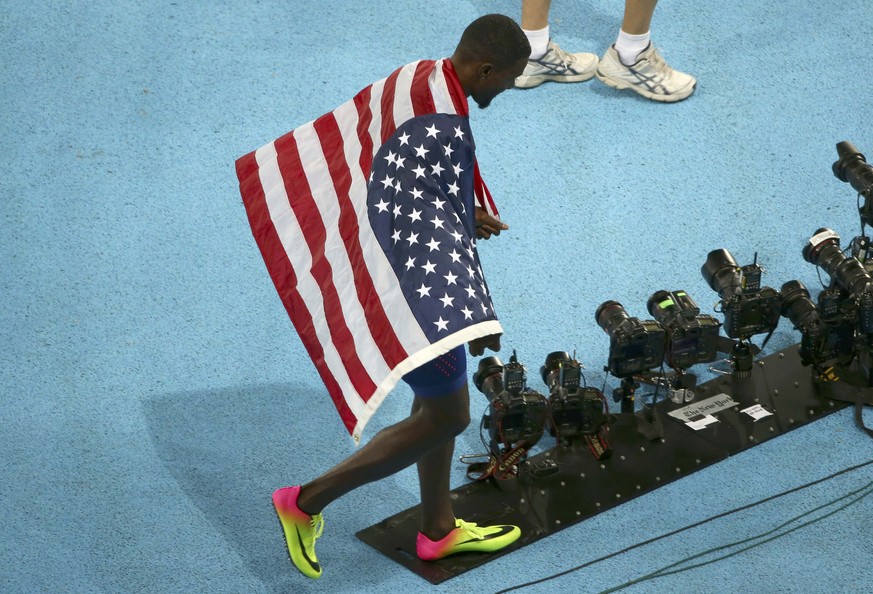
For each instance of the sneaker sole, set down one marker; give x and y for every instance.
(535, 81)
(313, 575)
(621, 86)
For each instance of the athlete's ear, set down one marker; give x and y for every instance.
(485, 70)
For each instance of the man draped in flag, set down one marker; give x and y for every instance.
(367, 220)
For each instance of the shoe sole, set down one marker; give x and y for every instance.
(531, 82)
(647, 94)
(288, 547)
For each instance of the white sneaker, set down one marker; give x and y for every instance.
(651, 77)
(559, 66)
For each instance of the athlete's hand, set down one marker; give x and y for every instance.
(478, 345)
(486, 225)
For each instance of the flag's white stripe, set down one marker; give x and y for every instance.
(388, 290)
(290, 234)
(375, 129)
(324, 194)
(442, 99)
(402, 95)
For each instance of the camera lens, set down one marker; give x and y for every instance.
(822, 239)
(722, 273)
(610, 315)
(685, 303)
(551, 369)
(797, 306)
(489, 377)
(823, 250)
(661, 304)
(666, 306)
(852, 167)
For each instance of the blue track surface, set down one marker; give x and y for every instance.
(154, 392)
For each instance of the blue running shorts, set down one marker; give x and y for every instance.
(440, 376)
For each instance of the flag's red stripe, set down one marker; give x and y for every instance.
(456, 91)
(422, 99)
(365, 118)
(388, 124)
(312, 226)
(483, 194)
(380, 327)
(285, 280)
(247, 172)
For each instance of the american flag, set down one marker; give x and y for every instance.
(365, 220)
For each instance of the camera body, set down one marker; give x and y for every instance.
(748, 308)
(518, 414)
(862, 250)
(692, 337)
(749, 314)
(634, 345)
(575, 410)
(827, 330)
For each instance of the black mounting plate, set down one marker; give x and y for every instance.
(584, 486)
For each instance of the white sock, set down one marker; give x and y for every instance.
(539, 42)
(629, 47)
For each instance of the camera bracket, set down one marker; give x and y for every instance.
(626, 394)
(742, 359)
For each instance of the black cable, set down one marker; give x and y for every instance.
(820, 281)
(482, 427)
(866, 489)
(689, 527)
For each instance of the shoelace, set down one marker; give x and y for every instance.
(472, 529)
(658, 74)
(662, 68)
(656, 60)
(317, 525)
(564, 57)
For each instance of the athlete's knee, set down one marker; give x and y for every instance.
(449, 421)
(458, 421)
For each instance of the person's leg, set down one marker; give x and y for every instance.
(535, 14)
(635, 35)
(440, 411)
(434, 474)
(638, 16)
(442, 534)
(535, 24)
(431, 427)
(434, 423)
